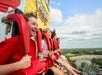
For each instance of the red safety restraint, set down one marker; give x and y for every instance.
(37, 67)
(50, 60)
(5, 4)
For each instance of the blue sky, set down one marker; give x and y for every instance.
(77, 22)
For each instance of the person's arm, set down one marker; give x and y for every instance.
(67, 66)
(25, 62)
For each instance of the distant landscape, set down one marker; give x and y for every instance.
(88, 60)
(81, 51)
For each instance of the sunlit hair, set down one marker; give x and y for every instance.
(45, 30)
(28, 15)
(58, 39)
(53, 33)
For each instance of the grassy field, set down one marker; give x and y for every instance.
(77, 52)
(70, 55)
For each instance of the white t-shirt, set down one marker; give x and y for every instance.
(44, 47)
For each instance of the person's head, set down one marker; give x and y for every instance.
(54, 34)
(48, 31)
(58, 40)
(32, 22)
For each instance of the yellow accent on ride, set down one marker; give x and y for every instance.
(41, 8)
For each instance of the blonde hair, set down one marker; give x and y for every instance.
(28, 15)
(45, 30)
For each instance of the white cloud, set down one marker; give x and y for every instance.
(55, 3)
(56, 15)
(91, 24)
(81, 30)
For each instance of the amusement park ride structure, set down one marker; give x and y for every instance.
(38, 67)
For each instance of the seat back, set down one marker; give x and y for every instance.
(23, 28)
(15, 28)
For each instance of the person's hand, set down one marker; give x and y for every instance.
(25, 62)
(50, 53)
(40, 56)
(62, 62)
